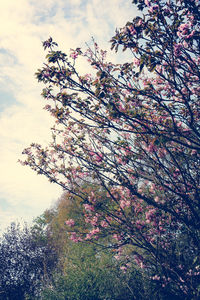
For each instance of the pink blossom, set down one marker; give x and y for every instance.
(74, 54)
(88, 207)
(117, 237)
(47, 107)
(193, 152)
(179, 124)
(87, 77)
(183, 28)
(150, 214)
(117, 257)
(120, 161)
(74, 237)
(91, 153)
(151, 148)
(156, 277)
(92, 198)
(152, 188)
(190, 35)
(130, 85)
(138, 224)
(139, 260)
(99, 157)
(88, 236)
(123, 268)
(136, 61)
(121, 107)
(95, 230)
(177, 49)
(109, 219)
(92, 233)
(125, 203)
(70, 222)
(185, 44)
(104, 224)
(46, 74)
(94, 221)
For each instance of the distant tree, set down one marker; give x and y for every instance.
(25, 261)
(92, 275)
(83, 270)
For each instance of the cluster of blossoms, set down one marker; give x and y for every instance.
(98, 157)
(70, 222)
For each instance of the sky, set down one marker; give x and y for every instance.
(24, 195)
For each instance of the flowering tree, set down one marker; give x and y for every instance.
(132, 131)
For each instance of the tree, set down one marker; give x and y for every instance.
(52, 224)
(132, 130)
(90, 276)
(83, 270)
(25, 261)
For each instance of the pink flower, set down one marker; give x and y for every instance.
(152, 188)
(120, 161)
(92, 233)
(194, 152)
(94, 221)
(190, 35)
(104, 224)
(46, 74)
(150, 215)
(125, 203)
(99, 157)
(70, 222)
(95, 230)
(74, 237)
(183, 28)
(121, 107)
(151, 148)
(139, 260)
(91, 153)
(88, 207)
(88, 236)
(74, 55)
(179, 124)
(136, 61)
(117, 257)
(123, 268)
(156, 277)
(117, 237)
(177, 49)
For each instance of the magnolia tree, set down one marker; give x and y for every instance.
(132, 132)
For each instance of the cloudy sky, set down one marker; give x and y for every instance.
(24, 25)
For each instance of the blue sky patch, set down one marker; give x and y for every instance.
(6, 99)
